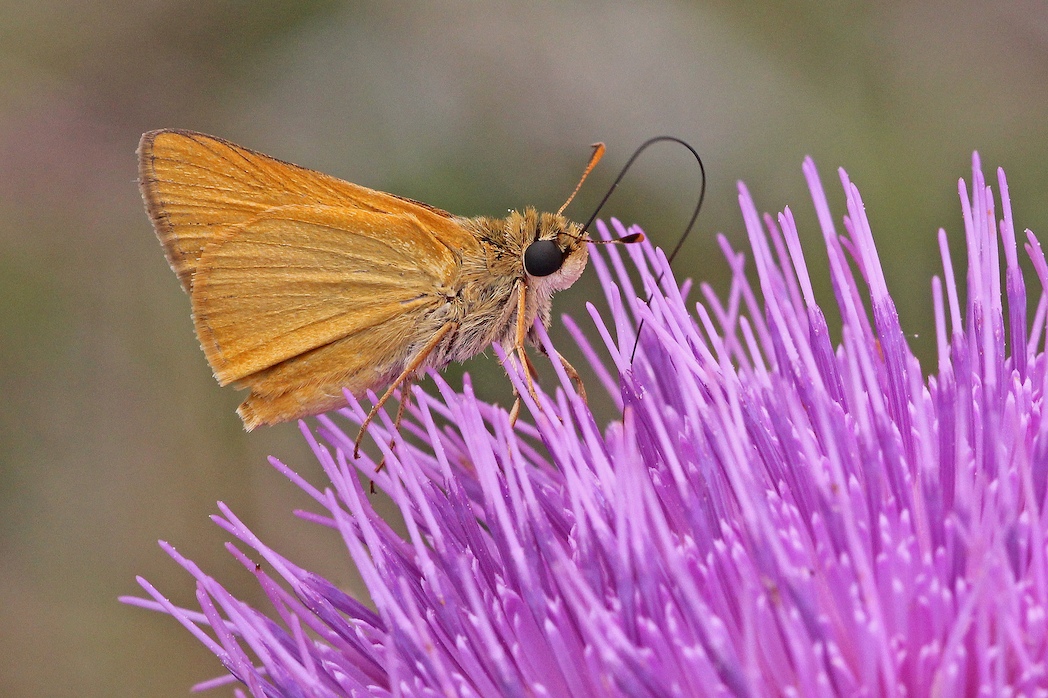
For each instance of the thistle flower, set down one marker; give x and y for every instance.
(771, 515)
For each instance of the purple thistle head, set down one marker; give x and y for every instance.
(773, 515)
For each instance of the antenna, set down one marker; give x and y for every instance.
(698, 207)
(687, 231)
(598, 153)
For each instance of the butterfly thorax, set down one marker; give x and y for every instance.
(485, 304)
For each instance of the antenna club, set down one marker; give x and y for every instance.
(598, 153)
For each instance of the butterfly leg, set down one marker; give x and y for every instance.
(522, 331)
(568, 368)
(525, 362)
(405, 398)
(531, 373)
(574, 376)
(404, 378)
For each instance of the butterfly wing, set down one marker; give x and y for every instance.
(301, 284)
(195, 186)
(302, 302)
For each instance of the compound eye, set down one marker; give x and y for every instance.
(542, 258)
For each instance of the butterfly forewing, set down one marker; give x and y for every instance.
(195, 186)
(299, 277)
(301, 284)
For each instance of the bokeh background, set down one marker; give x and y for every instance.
(112, 431)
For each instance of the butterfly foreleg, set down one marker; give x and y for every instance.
(518, 344)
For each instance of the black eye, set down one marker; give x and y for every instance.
(542, 258)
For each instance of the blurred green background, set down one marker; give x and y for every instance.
(113, 433)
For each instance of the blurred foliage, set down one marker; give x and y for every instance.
(112, 431)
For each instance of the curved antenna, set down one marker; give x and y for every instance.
(698, 207)
(687, 230)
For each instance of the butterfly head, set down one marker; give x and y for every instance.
(555, 253)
